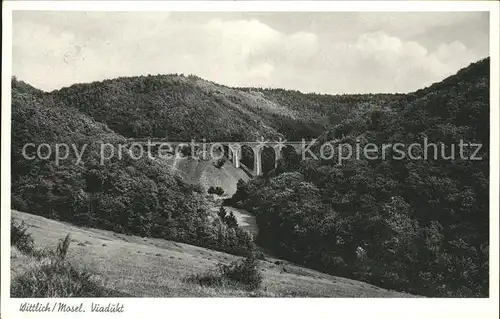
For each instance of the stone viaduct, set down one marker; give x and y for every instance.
(235, 149)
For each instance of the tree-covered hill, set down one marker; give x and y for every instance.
(183, 108)
(419, 226)
(131, 195)
(174, 107)
(416, 225)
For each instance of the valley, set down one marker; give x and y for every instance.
(144, 225)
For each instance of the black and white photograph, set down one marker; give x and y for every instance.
(248, 153)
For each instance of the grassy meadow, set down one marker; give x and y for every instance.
(132, 266)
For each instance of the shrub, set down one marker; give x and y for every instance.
(231, 221)
(222, 213)
(63, 246)
(216, 190)
(240, 194)
(16, 202)
(45, 252)
(20, 238)
(50, 275)
(55, 278)
(243, 273)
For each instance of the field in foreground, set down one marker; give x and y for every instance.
(147, 267)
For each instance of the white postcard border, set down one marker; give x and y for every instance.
(261, 308)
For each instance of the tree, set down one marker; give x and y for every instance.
(241, 192)
(220, 162)
(216, 190)
(222, 213)
(231, 221)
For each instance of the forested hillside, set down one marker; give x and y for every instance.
(412, 225)
(419, 226)
(181, 108)
(134, 196)
(143, 196)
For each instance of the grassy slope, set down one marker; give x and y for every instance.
(146, 267)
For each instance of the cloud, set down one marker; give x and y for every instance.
(56, 49)
(407, 63)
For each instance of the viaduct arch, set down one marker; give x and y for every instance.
(234, 150)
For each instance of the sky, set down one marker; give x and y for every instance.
(322, 52)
